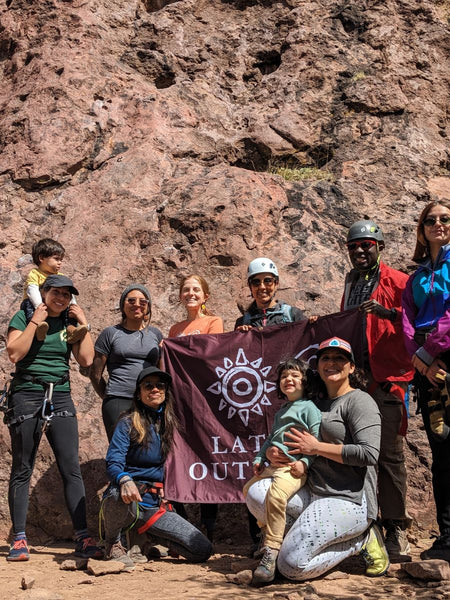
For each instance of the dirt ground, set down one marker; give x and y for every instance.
(170, 578)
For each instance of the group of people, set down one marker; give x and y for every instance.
(333, 463)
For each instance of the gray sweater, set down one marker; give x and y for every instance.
(354, 421)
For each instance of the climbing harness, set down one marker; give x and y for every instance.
(155, 488)
(46, 410)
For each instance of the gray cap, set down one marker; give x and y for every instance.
(130, 288)
(365, 230)
(59, 281)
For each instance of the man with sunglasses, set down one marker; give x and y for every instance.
(263, 280)
(376, 290)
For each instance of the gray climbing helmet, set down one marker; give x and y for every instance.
(365, 230)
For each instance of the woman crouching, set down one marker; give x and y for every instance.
(135, 467)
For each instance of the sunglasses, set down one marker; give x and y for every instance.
(160, 385)
(364, 245)
(430, 221)
(255, 282)
(140, 301)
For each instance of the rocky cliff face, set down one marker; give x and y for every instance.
(150, 138)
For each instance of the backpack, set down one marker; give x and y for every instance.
(285, 310)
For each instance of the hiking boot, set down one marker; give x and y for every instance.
(265, 571)
(41, 331)
(76, 334)
(440, 549)
(374, 553)
(118, 553)
(396, 542)
(86, 548)
(136, 555)
(18, 551)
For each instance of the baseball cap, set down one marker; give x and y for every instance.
(59, 281)
(336, 343)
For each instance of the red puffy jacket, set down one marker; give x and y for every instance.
(388, 358)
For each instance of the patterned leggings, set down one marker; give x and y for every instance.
(323, 531)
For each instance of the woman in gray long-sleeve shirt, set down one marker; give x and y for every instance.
(333, 514)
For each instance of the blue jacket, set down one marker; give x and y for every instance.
(426, 304)
(137, 461)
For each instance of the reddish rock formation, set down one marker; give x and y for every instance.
(143, 136)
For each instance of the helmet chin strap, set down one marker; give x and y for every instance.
(375, 266)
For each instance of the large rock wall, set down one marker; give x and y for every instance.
(143, 136)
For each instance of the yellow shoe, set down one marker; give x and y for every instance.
(374, 553)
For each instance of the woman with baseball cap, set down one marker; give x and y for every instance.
(336, 510)
(135, 467)
(40, 401)
(124, 350)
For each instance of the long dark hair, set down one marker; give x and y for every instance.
(141, 418)
(422, 249)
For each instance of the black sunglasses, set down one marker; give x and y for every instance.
(255, 282)
(430, 221)
(160, 385)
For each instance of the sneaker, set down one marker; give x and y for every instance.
(41, 331)
(136, 555)
(265, 571)
(86, 548)
(76, 334)
(117, 552)
(440, 549)
(396, 542)
(18, 551)
(374, 553)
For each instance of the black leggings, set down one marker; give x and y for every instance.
(440, 451)
(112, 409)
(62, 436)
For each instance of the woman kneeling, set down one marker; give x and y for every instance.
(335, 508)
(135, 467)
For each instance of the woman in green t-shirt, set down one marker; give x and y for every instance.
(40, 401)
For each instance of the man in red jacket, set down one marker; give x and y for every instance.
(377, 290)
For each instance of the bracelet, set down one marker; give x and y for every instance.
(34, 323)
(125, 479)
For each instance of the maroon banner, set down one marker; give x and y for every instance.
(225, 400)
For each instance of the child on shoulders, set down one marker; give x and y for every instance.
(47, 256)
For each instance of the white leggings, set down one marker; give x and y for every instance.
(323, 530)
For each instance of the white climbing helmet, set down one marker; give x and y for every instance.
(261, 265)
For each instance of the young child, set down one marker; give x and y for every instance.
(286, 480)
(47, 256)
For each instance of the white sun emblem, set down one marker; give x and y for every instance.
(242, 386)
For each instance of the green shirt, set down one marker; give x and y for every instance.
(48, 360)
(300, 413)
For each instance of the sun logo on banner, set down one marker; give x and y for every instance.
(242, 386)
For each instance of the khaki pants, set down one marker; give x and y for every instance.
(282, 488)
